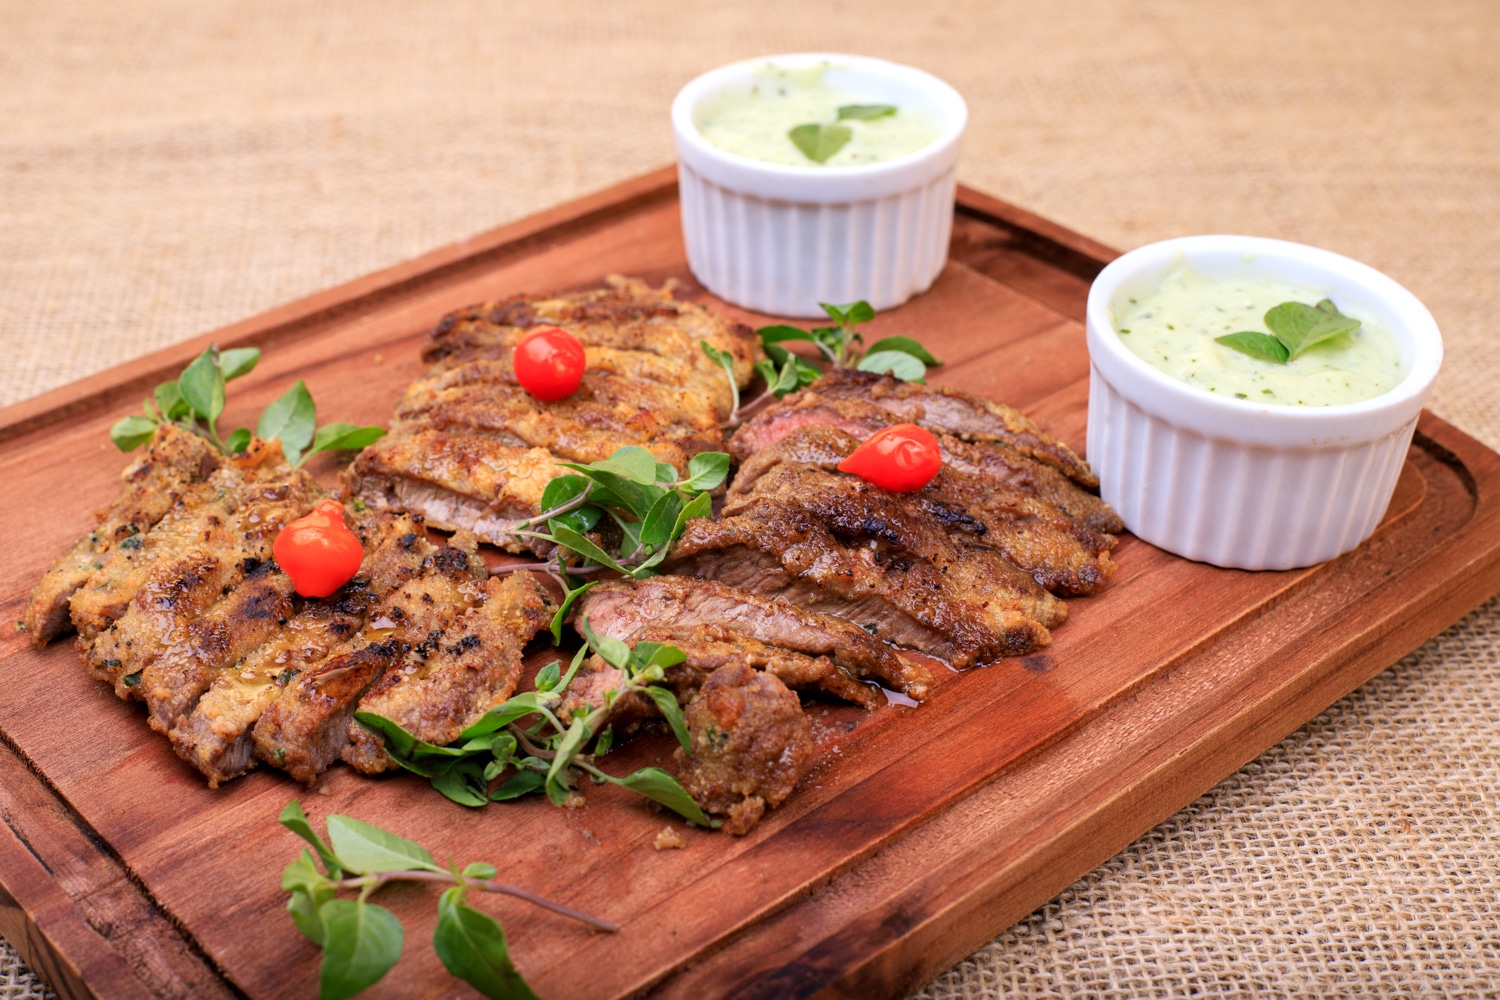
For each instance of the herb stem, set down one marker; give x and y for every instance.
(367, 884)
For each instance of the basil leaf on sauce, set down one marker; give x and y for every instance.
(1260, 346)
(866, 112)
(1301, 327)
(819, 142)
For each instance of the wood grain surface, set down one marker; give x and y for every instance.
(922, 832)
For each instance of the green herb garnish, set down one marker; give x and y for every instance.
(547, 753)
(196, 400)
(819, 142)
(362, 941)
(840, 346)
(1295, 328)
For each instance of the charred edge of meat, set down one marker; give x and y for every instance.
(751, 745)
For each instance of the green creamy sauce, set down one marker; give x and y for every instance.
(1173, 328)
(753, 121)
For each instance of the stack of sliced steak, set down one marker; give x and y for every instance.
(178, 603)
(470, 449)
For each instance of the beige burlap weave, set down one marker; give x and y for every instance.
(169, 167)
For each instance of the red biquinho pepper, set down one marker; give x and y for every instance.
(549, 363)
(901, 458)
(318, 551)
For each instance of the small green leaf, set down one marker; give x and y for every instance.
(131, 432)
(659, 786)
(238, 441)
(907, 346)
(516, 707)
(293, 818)
(572, 741)
(364, 848)
(480, 869)
(851, 313)
(548, 676)
(344, 437)
(570, 597)
(573, 540)
(472, 946)
(666, 701)
(665, 473)
(361, 943)
(1301, 327)
(463, 782)
(706, 470)
(170, 402)
(654, 654)
(238, 361)
(614, 490)
(610, 650)
(290, 420)
(819, 142)
(310, 889)
(564, 489)
(656, 526)
(305, 909)
(699, 506)
(900, 364)
(520, 784)
(202, 386)
(780, 333)
(631, 462)
(1259, 346)
(865, 112)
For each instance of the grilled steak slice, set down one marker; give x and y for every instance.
(188, 565)
(216, 736)
(471, 449)
(1060, 553)
(1010, 469)
(961, 414)
(626, 609)
(231, 629)
(836, 546)
(625, 316)
(173, 461)
(307, 728)
(751, 744)
(474, 667)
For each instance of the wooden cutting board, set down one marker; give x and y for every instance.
(921, 834)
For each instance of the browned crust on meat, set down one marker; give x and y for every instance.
(172, 462)
(475, 666)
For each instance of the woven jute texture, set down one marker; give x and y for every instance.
(169, 167)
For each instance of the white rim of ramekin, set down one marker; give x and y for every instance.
(781, 182)
(1244, 421)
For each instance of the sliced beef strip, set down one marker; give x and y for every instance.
(624, 609)
(474, 667)
(307, 727)
(957, 610)
(1059, 552)
(751, 744)
(962, 414)
(187, 574)
(216, 736)
(1011, 470)
(173, 462)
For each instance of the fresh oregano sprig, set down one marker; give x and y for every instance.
(819, 142)
(195, 401)
(1295, 327)
(362, 941)
(647, 501)
(839, 345)
(545, 753)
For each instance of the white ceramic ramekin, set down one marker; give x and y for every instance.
(1229, 481)
(780, 239)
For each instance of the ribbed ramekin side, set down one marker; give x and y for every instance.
(784, 258)
(1234, 505)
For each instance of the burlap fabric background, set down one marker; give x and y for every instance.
(168, 167)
